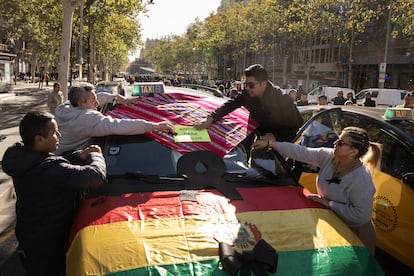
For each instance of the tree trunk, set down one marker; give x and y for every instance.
(68, 9)
(92, 66)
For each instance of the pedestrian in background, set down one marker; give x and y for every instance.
(233, 93)
(239, 87)
(47, 187)
(408, 102)
(350, 97)
(344, 181)
(303, 100)
(41, 79)
(47, 78)
(293, 94)
(368, 100)
(339, 99)
(322, 100)
(54, 98)
(275, 112)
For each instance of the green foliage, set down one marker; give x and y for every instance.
(281, 26)
(225, 37)
(39, 24)
(36, 22)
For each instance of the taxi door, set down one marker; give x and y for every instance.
(393, 212)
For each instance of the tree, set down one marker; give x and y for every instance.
(68, 9)
(37, 23)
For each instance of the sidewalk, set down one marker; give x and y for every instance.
(23, 88)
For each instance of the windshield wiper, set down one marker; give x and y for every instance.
(148, 177)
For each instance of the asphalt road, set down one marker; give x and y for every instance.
(13, 107)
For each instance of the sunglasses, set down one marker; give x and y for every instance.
(341, 143)
(250, 85)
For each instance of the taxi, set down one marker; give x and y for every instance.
(195, 204)
(112, 87)
(393, 214)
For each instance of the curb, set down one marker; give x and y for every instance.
(26, 91)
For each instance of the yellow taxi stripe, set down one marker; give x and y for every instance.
(121, 246)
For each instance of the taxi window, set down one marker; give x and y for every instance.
(138, 153)
(322, 132)
(396, 159)
(399, 161)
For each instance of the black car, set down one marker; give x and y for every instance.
(204, 208)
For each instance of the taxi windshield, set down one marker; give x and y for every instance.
(139, 154)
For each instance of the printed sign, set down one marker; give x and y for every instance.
(190, 134)
(147, 89)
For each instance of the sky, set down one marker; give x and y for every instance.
(166, 17)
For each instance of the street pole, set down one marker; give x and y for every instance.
(81, 41)
(383, 65)
(64, 60)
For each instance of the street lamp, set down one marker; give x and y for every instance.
(383, 65)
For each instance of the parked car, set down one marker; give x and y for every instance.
(113, 87)
(393, 214)
(382, 96)
(186, 208)
(329, 91)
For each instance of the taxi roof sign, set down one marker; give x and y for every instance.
(147, 89)
(395, 113)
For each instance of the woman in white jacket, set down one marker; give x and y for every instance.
(79, 121)
(344, 182)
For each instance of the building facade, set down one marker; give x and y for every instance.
(7, 70)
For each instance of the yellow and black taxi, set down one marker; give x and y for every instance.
(193, 204)
(393, 214)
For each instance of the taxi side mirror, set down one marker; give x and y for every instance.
(408, 179)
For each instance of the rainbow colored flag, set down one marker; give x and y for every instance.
(159, 233)
(186, 110)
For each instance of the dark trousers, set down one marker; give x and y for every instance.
(43, 262)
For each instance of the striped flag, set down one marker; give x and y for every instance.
(184, 109)
(159, 233)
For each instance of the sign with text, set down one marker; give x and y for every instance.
(190, 134)
(147, 89)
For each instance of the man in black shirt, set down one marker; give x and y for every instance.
(275, 112)
(339, 99)
(368, 101)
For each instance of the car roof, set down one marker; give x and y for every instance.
(108, 83)
(189, 89)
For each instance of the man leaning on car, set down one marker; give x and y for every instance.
(275, 112)
(79, 121)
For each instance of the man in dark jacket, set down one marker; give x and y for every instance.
(275, 112)
(47, 187)
(339, 99)
(368, 100)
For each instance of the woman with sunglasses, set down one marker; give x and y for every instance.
(274, 111)
(344, 182)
